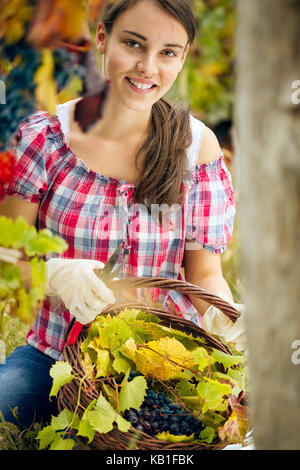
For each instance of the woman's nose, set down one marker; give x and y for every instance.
(147, 65)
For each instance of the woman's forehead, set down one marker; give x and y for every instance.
(151, 21)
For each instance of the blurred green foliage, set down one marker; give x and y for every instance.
(207, 78)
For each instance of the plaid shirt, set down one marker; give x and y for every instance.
(93, 213)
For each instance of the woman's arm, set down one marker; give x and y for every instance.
(13, 207)
(202, 267)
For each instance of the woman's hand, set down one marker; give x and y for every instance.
(79, 288)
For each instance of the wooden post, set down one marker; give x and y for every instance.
(267, 173)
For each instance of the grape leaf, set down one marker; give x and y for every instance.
(104, 363)
(213, 393)
(201, 358)
(61, 372)
(104, 415)
(166, 436)
(62, 444)
(186, 388)
(88, 365)
(101, 418)
(64, 419)
(123, 425)
(122, 363)
(129, 348)
(45, 436)
(237, 425)
(114, 333)
(164, 359)
(133, 393)
(85, 429)
(226, 359)
(207, 434)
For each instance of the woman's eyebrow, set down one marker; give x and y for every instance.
(145, 39)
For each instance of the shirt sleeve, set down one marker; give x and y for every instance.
(32, 152)
(211, 207)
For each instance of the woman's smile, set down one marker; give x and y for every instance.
(140, 87)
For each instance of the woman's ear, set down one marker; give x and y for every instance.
(101, 36)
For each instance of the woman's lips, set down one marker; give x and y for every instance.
(139, 90)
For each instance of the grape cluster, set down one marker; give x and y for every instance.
(159, 414)
(19, 99)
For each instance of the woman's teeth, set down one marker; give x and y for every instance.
(140, 85)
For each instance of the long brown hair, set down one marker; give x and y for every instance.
(165, 163)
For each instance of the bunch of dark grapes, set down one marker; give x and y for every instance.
(19, 83)
(159, 414)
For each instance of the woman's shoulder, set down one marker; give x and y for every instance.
(205, 147)
(39, 125)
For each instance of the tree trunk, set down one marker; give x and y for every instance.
(267, 174)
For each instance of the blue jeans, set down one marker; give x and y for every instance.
(25, 383)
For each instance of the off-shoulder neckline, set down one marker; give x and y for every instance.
(211, 166)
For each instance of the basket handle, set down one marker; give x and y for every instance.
(180, 286)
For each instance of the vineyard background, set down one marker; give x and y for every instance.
(47, 56)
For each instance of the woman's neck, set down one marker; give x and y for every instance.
(120, 124)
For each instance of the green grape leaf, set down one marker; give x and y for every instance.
(85, 429)
(45, 242)
(123, 425)
(121, 363)
(103, 363)
(133, 393)
(201, 358)
(62, 444)
(46, 436)
(114, 334)
(226, 359)
(64, 419)
(61, 372)
(213, 393)
(102, 417)
(186, 388)
(207, 434)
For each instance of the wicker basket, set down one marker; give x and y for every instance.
(68, 394)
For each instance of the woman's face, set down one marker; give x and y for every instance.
(146, 47)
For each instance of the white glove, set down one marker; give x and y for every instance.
(79, 288)
(217, 323)
(9, 255)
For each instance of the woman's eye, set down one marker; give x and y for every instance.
(170, 53)
(131, 42)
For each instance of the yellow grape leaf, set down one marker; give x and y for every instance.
(164, 359)
(46, 89)
(103, 361)
(88, 366)
(129, 347)
(166, 436)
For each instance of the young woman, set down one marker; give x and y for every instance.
(107, 185)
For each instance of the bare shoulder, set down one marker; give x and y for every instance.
(210, 148)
